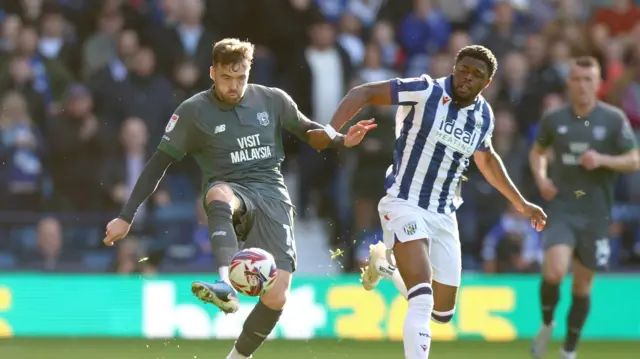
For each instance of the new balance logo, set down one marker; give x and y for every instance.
(220, 128)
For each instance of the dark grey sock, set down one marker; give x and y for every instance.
(224, 243)
(575, 321)
(549, 296)
(257, 327)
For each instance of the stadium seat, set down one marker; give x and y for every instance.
(98, 260)
(7, 260)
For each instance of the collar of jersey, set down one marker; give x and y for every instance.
(448, 88)
(224, 106)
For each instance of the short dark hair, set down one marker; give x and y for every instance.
(587, 62)
(481, 53)
(231, 51)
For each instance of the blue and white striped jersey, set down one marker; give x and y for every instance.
(434, 141)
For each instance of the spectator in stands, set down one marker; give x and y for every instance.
(50, 243)
(30, 11)
(365, 10)
(109, 83)
(188, 80)
(440, 65)
(10, 31)
(21, 151)
(512, 246)
(423, 32)
(374, 69)
(20, 79)
(350, 38)
(51, 78)
(620, 17)
(122, 169)
(383, 34)
(502, 35)
(57, 41)
(321, 80)
(78, 146)
(189, 38)
(148, 95)
(101, 47)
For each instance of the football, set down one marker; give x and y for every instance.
(252, 271)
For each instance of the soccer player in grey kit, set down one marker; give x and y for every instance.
(233, 131)
(591, 143)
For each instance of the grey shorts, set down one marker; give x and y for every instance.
(264, 223)
(589, 241)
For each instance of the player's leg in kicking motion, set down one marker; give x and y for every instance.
(222, 203)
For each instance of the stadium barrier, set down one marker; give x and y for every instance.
(493, 308)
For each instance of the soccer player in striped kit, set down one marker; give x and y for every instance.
(440, 125)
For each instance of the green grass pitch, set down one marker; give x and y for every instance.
(314, 349)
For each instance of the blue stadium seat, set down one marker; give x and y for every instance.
(7, 260)
(179, 187)
(98, 260)
(176, 212)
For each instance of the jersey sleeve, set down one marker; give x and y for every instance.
(488, 123)
(291, 116)
(181, 133)
(409, 91)
(545, 135)
(626, 139)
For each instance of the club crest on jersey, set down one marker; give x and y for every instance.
(478, 124)
(599, 132)
(410, 228)
(263, 118)
(172, 123)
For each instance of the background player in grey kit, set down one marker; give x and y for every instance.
(233, 131)
(591, 142)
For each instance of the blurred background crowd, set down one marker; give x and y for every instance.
(87, 86)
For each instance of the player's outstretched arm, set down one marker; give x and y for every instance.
(314, 133)
(490, 165)
(146, 184)
(373, 93)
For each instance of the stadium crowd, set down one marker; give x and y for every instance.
(87, 87)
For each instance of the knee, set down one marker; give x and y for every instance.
(581, 286)
(219, 192)
(554, 275)
(274, 299)
(442, 317)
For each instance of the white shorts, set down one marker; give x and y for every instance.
(403, 222)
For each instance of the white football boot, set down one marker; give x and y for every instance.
(541, 341)
(567, 355)
(378, 267)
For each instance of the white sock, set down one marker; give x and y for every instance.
(385, 266)
(235, 355)
(224, 273)
(399, 283)
(416, 333)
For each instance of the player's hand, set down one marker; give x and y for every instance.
(357, 132)
(548, 190)
(591, 160)
(117, 229)
(535, 213)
